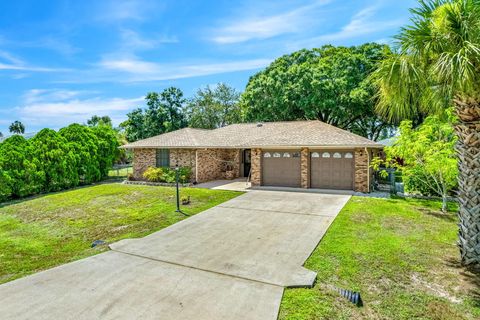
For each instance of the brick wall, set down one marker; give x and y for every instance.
(256, 159)
(362, 171)
(183, 158)
(142, 160)
(212, 164)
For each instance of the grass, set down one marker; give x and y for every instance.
(39, 233)
(120, 173)
(400, 254)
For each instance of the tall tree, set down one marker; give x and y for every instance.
(17, 128)
(215, 107)
(331, 84)
(164, 113)
(437, 66)
(99, 121)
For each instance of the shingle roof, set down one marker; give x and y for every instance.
(268, 134)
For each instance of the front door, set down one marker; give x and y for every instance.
(247, 162)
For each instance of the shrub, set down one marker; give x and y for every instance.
(167, 175)
(154, 174)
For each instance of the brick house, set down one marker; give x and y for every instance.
(303, 154)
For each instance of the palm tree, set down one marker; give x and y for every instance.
(17, 128)
(436, 66)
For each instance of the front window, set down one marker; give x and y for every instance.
(163, 158)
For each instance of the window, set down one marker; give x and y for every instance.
(337, 155)
(348, 155)
(286, 155)
(315, 155)
(267, 155)
(326, 155)
(163, 158)
(277, 155)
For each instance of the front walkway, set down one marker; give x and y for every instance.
(229, 262)
(239, 184)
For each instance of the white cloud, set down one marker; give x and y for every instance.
(117, 11)
(57, 107)
(11, 62)
(131, 40)
(259, 26)
(362, 23)
(132, 69)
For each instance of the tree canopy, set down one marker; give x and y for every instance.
(331, 84)
(164, 113)
(214, 107)
(17, 128)
(99, 121)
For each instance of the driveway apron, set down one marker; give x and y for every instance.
(229, 262)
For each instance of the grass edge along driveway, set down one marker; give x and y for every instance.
(400, 254)
(46, 231)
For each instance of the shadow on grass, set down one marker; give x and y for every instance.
(469, 275)
(449, 216)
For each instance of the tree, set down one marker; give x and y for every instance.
(107, 148)
(214, 107)
(55, 157)
(20, 175)
(436, 66)
(426, 157)
(17, 128)
(99, 121)
(330, 84)
(84, 145)
(164, 113)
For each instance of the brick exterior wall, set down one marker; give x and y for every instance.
(142, 160)
(305, 168)
(184, 158)
(212, 164)
(362, 171)
(256, 163)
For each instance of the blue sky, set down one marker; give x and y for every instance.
(63, 61)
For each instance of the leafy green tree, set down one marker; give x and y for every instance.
(17, 128)
(164, 113)
(330, 84)
(436, 66)
(107, 148)
(54, 156)
(99, 121)
(214, 107)
(20, 175)
(426, 157)
(83, 143)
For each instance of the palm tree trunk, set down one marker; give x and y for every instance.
(468, 149)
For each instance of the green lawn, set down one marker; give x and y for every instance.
(40, 233)
(400, 254)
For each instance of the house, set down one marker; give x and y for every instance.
(303, 154)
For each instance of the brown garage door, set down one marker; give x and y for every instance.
(281, 168)
(332, 169)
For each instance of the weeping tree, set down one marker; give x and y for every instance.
(437, 65)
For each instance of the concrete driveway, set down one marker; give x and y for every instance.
(229, 262)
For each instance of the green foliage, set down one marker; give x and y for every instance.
(54, 161)
(99, 121)
(168, 175)
(213, 108)
(438, 58)
(331, 84)
(84, 145)
(17, 128)
(426, 156)
(164, 113)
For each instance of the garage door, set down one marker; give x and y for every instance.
(281, 168)
(332, 169)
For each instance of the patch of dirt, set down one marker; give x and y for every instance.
(433, 288)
